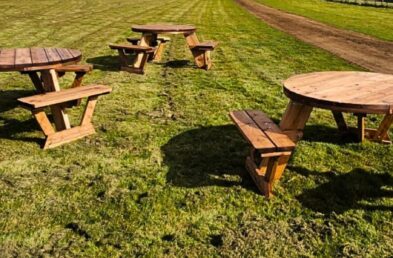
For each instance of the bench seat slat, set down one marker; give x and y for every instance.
(281, 140)
(57, 97)
(135, 48)
(207, 45)
(256, 137)
(75, 68)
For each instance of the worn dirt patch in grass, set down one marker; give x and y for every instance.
(373, 54)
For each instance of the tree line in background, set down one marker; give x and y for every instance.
(374, 3)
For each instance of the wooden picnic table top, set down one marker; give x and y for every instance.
(22, 59)
(357, 92)
(163, 28)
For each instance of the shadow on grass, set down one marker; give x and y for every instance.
(321, 133)
(353, 190)
(326, 134)
(207, 156)
(179, 64)
(13, 127)
(105, 63)
(8, 98)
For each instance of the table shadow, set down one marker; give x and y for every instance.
(179, 64)
(207, 156)
(8, 98)
(105, 63)
(327, 134)
(13, 127)
(345, 191)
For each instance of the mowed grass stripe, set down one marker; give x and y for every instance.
(165, 174)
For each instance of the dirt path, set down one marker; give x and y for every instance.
(370, 53)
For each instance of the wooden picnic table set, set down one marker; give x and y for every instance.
(45, 66)
(360, 93)
(150, 46)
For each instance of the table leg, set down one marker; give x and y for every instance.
(340, 121)
(294, 120)
(35, 78)
(146, 40)
(382, 132)
(51, 83)
(199, 56)
(160, 49)
(360, 130)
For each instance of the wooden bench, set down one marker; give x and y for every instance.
(38, 103)
(160, 39)
(159, 44)
(128, 56)
(270, 148)
(202, 53)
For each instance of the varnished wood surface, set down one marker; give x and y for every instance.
(163, 28)
(359, 92)
(135, 48)
(262, 133)
(20, 59)
(56, 97)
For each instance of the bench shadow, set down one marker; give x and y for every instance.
(327, 134)
(105, 63)
(207, 156)
(340, 192)
(8, 98)
(179, 64)
(13, 127)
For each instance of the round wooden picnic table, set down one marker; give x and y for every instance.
(27, 59)
(40, 64)
(150, 34)
(360, 93)
(163, 28)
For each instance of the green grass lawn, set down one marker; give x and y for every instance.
(367, 20)
(164, 175)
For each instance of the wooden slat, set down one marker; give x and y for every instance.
(22, 57)
(136, 48)
(43, 121)
(75, 68)
(38, 56)
(68, 135)
(252, 132)
(281, 140)
(75, 53)
(207, 45)
(64, 53)
(52, 55)
(7, 58)
(52, 98)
